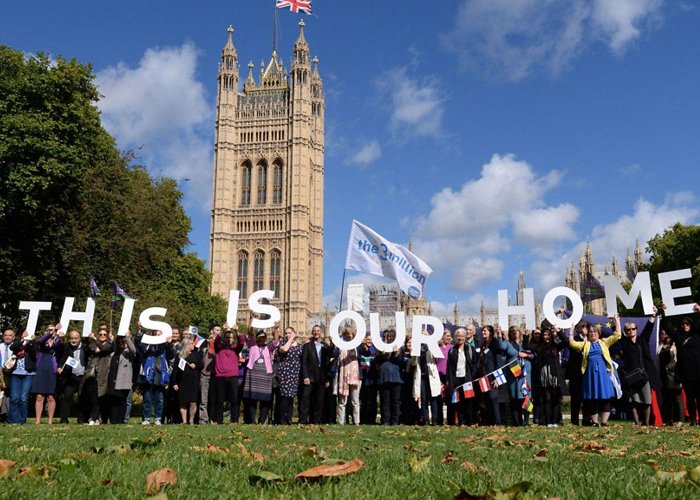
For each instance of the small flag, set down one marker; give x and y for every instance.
(71, 361)
(198, 340)
(455, 396)
(499, 377)
(193, 330)
(118, 294)
(516, 370)
(295, 5)
(484, 384)
(94, 291)
(527, 404)
(468, 390)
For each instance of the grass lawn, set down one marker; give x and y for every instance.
(76, 462)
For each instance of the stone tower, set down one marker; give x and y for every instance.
(267, 215)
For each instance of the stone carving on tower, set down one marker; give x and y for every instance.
(267, 215)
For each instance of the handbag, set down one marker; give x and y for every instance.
(636, 378)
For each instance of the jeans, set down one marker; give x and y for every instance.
(152, 398)
(19, 398)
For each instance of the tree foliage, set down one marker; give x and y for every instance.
(72, 206)
(677, 248)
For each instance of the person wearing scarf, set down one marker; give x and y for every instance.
(259, 376)
(349, 382)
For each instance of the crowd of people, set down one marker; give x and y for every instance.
(257, 377)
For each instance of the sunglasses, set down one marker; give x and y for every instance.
(630, 329)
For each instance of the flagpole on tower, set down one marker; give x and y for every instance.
(342, 290)
(274, 32)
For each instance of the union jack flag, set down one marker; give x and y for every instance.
(295, 5)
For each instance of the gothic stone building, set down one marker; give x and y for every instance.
(267, 216)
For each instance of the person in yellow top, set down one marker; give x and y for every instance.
(596, 366)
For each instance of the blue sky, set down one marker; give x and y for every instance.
(501, 134)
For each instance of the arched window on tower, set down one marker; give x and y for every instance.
(258, 270)
(242, 281)
(246, 174)
(275, 270)
(262, 183)
(277, 182)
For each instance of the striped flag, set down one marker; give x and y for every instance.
(484, 384)
(499, 377)
(198, 340)
(527, 404)
(516, 370)
(455, 396)
(468, 390)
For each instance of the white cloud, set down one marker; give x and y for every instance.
(417, 105)
(161, 105)
(646, 220)
(367, 154)
(511, 39)
(467, 232)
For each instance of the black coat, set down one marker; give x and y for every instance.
(688, 349)
(68, 351)
(472, 366)
(309, 363)
(638, 355)
(28, 351)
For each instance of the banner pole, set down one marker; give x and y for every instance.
(342, 290)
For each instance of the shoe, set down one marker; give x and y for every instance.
(145, 422)
(92, 422)
(157, 422)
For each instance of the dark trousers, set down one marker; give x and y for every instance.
(551, 396)
(520, 416)
(390, 396)
(69, 386)
(311, 403)
(368, 403)
(330, 400)
(171, 407)
(226, 391)
(493, 410)
(672, 407)
(88, 401)
(117, 406)
(104, 402)
(284, 409)
(250, 410)
(428, 402)
(692, 399)
(576, 393)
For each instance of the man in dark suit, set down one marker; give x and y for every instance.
(314, 379)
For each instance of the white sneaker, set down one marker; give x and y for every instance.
(92, 422)
(145, 422)
(157, 422)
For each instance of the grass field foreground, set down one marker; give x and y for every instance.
(620, 461)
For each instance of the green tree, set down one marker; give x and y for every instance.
(677, 248)
(72, 206)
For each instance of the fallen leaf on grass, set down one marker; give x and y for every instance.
(469, 466)
(44, 472)
(159, 478)
(141, 444)
(693, 475)
(449, 458)
(250, 455)
(541, 455)
(518, 491)
(419, 464)
(106, 482)
(264, 477)
(331, 470)
(6, 466)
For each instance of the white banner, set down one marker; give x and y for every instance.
(369, 253)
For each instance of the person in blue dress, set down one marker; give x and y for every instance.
(596, 366)
(521, 386)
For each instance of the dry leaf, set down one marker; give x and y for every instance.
(106, 482)
(338, 469)
(24, 471)
(419, 465)
(449, 458)
(6, 466)
(158, 478)
(541, 455)
(215, 448)
(469, 466)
